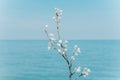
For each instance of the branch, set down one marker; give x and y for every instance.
(61, 48)
(78, 77)
(57, 25)
(46, 34)
(64, 56)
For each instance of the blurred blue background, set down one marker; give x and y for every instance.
(82, 19)
(30, 60)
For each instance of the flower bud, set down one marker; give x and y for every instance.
(66, 41)
(60, 41)
(58, 44)
(78, 50)
(46, 26)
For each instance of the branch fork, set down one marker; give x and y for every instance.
(61, 47)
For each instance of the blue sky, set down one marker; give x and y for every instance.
(82, 19)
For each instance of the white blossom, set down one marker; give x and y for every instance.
(75, 48)
(63, 52)
(58, 12)
(77, 69)
(87, 69)
(65, 43)
(51, 35)
(60, 41)
(85, 72)
(58, 44)
(46, 26)
(78, 50)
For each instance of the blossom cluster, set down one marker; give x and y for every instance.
(59, 44)
(85, 72)
(61, 47)
(58, 14)
(76, 51)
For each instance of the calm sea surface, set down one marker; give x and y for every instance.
(30, 60)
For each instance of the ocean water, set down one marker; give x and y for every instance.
(30, 60)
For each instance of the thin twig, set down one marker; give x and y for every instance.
(57, 25)
(78, 77)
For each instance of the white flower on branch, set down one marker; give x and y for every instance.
(51, 35)
(60, 41)
(78, 69)
(58, 15)
(58, 44)
(85, 72)
(46, 26)
(62, 44)
(63, 52)
(78, 50)
(58, 12)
